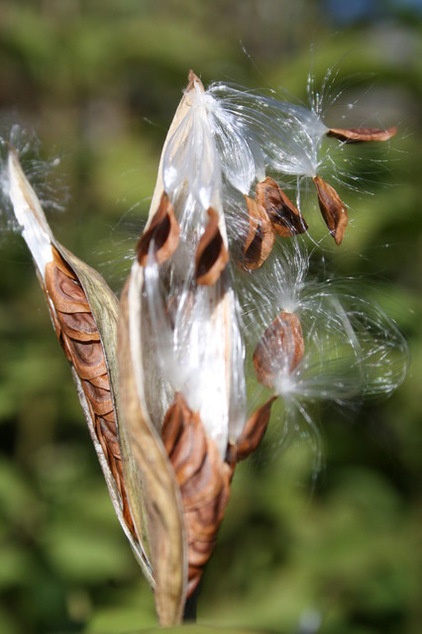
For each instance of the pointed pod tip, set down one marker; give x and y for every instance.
(193, 80)
(13, 163)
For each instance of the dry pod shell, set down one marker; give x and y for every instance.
(84, 312)
(182, 346)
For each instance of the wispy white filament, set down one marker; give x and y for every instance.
(352, 348)
(196, 356)
(289, 135)
(193, 328)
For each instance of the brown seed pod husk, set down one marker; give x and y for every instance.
(83, 348)
(84, 312)
(149, 471)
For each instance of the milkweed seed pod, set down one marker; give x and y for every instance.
(84, 312)
(220, 286)
(179, 317)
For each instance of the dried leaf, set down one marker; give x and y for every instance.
(282, 342)
(162, 232)
(285, 217)
(211, 256)
(260, 239)
(361, 135)
(332, 209)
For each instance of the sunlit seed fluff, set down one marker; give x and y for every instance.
(242, 157)
(289, 135)
(351, 348)
(191, 163)
(200, 353)
(212, 141)
(193, 327)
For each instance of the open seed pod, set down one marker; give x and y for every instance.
(84, 312)
(178, 300)
(181, 351)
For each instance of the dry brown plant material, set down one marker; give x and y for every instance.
(203, 479)
(362, 135)
(163, 233)
(283, 336)
(260, 239)
(84, 312)
(211, 256)
(253, 433)
(78, 334)
(155, 497)
(285, 218)
(332, 209)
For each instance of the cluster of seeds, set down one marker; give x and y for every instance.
(226, 285)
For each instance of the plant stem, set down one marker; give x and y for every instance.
(189, 614)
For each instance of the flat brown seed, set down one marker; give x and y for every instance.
(260, 239)
(332, 209)
(285, 217)
(211, 256)
(254, 430)
(163, 233)
(280, 346)
(204, 481)
(362, 135)
(187, 452)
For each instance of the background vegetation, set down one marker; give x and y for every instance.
(99, 82)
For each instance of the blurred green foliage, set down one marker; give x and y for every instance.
(99, 82)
